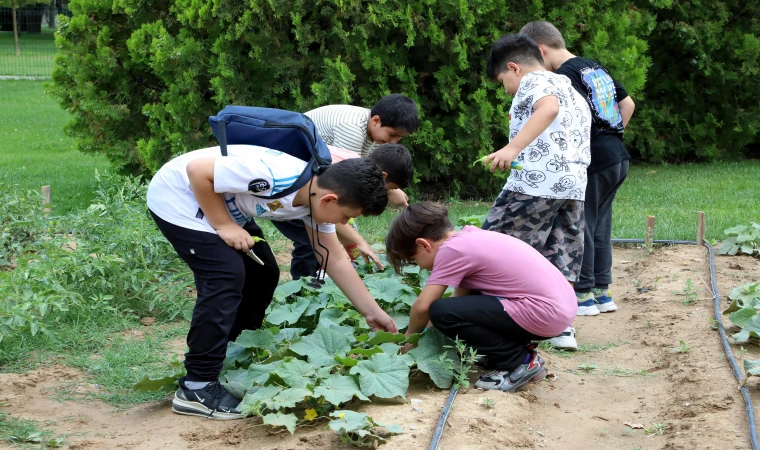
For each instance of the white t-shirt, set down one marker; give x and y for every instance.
(554, 165)
(343, 126)
(247, 170)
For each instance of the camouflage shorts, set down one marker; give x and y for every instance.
(554, 227)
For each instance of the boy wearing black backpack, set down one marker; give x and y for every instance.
(205, 205)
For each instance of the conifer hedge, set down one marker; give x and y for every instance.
(140, 77)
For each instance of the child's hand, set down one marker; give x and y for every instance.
(235, 236)
(502, 158)
(397, 197)
(406, 348)
(367, 254)
(381, 321)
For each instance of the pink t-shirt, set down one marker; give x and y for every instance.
(340, 154)
(534, 292)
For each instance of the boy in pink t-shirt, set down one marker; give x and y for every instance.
(506, 293)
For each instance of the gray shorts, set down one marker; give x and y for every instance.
(554, 227)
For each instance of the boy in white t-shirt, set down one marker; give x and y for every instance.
(541, 204)
(204, 204)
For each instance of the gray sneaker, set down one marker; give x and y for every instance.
(211, 402)
(507, 381)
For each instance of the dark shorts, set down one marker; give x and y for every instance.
(554, 227)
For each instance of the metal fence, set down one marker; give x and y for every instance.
(28, 53)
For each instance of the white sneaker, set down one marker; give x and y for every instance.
(586, 304)
(566, 340)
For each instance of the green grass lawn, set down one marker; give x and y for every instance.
(36, 54)
(728, 194)
(34, 151)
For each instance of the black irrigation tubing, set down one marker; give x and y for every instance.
(723, 338)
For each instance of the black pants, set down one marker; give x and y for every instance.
(596, 269)
(233, 293)
(481, 322)
(304, 263)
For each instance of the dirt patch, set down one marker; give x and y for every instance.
(633, 373)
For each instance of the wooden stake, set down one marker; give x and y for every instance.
(649, 236)
(700, 228)
(45, 198)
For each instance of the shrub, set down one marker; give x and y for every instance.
(701, 97)
(141, 77)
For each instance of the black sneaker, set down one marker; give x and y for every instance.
(211, 402)
(507, 381)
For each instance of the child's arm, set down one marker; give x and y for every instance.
(342, 272)
(419, 316)
(348, 235)
(626, 109)
(397, 197)
(460, 292)
(201, 175)
(545, 110)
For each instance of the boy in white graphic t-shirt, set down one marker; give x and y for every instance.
(541, 204)
(205, 204)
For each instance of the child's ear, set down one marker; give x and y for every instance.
(424, 244)
(327, 198)
(385, 175)
(376, 120)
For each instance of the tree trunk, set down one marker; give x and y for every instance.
(15, 26)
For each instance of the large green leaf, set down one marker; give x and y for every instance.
(297, 373)
(238, 382)
(381, 337)
(742, 317)
(391, 290)
(288, 334)
(383, 376)
(322, 345)
(260, 372)
(287, 312)
(148, 384)
(744, 296)
(752, 368)
(262, 338)
(339, 389)
(287, 289)
(281, 420)
(750, 330)
(289, 398)
(428, 355)
(264, 397)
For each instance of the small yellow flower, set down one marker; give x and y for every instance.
(342, 416)
(311, 414)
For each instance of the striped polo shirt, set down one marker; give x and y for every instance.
(343, 126)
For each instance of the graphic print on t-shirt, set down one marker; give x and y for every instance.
(602, 89)
(554, 164)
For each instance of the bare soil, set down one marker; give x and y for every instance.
(633, 374)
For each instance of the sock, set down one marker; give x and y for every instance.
(195, 385)
(602, 287)
(528, 357)
(583, 291)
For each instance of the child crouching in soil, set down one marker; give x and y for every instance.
(506, 293)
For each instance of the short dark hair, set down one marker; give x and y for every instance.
(512, 48)
(419, 220)
(397, 111)
(358, 183)
(544, 33)
(396, 161)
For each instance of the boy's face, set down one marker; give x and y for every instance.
(425, 255)
(510, 79)
(383, 135)
(327, 210)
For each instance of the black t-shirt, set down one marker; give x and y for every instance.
(602, 93)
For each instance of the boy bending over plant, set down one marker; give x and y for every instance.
(506, 293)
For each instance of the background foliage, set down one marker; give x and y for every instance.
(141, 76)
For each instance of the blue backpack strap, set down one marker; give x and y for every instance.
(222, 137)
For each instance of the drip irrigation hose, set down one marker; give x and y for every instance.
(723, 338)
(442, 420)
